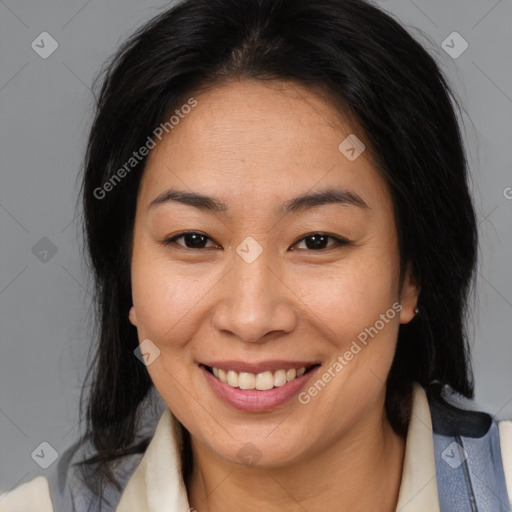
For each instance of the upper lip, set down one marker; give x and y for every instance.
(263, 366)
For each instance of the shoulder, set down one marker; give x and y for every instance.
(473, 450)
(63, 486)
(33, 495)
(49, 492)
(451, 419)
(505, 431)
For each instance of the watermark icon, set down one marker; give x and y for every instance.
(147, 352)
(143, 151)
(454, 45)
(44, 45)
(351, 147)
(507, 193)
(44, 250)
(343, 360)
(44, 455)
(249, 250)
(249, 454)
(454, 455)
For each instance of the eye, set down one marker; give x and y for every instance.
(192, 239)
(195, 240)
(318, 241)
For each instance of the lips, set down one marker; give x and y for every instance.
(257, 387)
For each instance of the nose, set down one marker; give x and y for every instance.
(256, 303)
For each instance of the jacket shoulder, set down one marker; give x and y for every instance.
(64, 489)
(473, 453)
(33, 495)
(505, 430)
(449, 419)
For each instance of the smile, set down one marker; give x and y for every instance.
(260, 381)
(257, 388)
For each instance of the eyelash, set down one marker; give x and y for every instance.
(338, 241)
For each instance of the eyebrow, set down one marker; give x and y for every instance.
(340, 196)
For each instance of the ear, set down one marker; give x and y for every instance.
(409, 296)
(133, 316)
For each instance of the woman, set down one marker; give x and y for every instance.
(279, 223)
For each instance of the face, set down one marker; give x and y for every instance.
(271, 275)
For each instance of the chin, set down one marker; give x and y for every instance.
(261, 452)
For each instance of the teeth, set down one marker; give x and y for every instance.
(264, 381)
(245, 381)
(280, 378)
(261, 381)
(232, 379)
(291, 374)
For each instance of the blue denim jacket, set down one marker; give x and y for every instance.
(469, 468)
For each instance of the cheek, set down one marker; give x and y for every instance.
(165, 295)
(351, 297)
(358, 313)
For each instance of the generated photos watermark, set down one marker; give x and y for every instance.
(143, 151)
(343, 360)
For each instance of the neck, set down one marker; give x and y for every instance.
(362, 470)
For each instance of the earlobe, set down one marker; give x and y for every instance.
(132, 316)
(409, 298)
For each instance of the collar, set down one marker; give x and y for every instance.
(157, 484)
(418, 489)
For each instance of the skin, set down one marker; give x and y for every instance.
(254, 146)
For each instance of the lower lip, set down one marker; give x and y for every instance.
(253, 400)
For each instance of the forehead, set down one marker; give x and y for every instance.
(259, 143)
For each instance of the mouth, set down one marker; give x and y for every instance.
(257, 388)
(262, 381)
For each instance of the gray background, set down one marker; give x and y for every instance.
(46, 107)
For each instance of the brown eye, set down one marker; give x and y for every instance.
(192, 240)
(318, 241)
